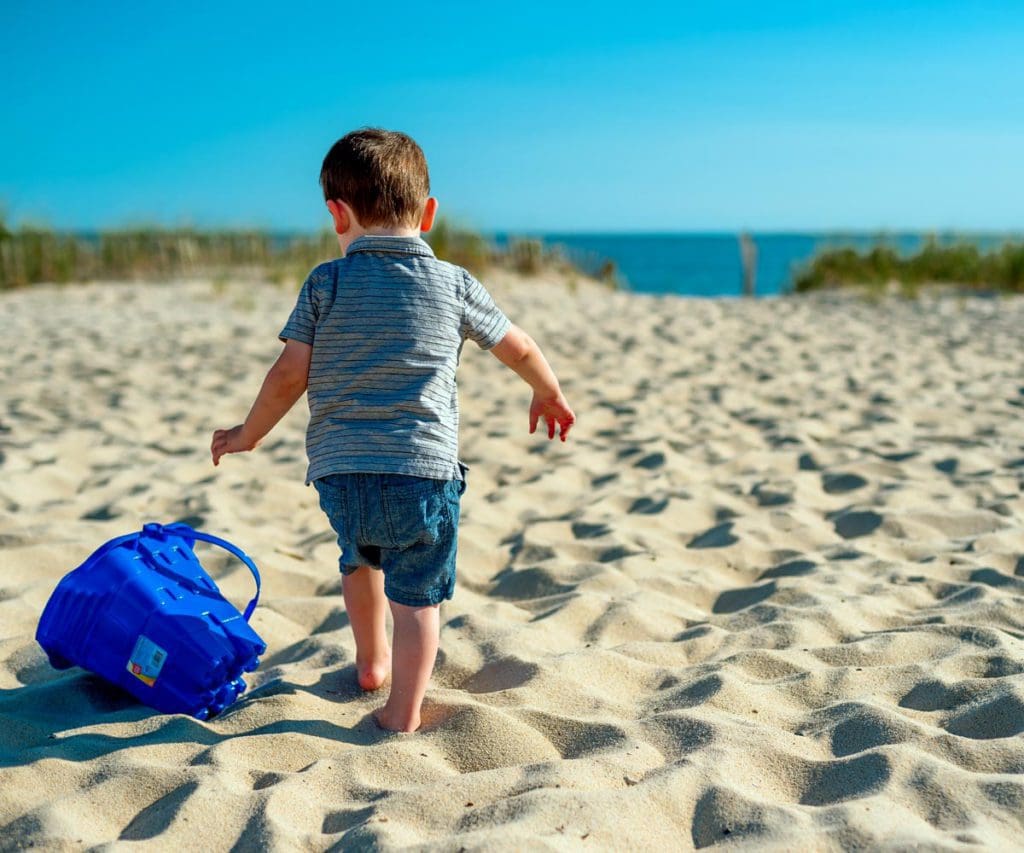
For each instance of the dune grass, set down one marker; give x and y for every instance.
(30, 255)
(959, 264)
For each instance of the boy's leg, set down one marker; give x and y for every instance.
(417, 632)
(365, 603)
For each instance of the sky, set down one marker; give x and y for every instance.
(770, 116)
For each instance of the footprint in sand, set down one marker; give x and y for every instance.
(345, 819)
(102, 513)
(651, 461)
(583, 530)
(899, 456)
(853, 523)
(838, 781)
(736, 599)
(527, 583)
(504, 674)
(839, 484)
(155, 818)
(575, 738)
(676, 733)
(647, 506)
(792, 568)
(999, 717)
(806, 462)
(719, 536)
(935, 695)
(768, 494)
(855, 727)
(990, 577)
(721, 811)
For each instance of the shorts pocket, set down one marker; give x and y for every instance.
(416, 512)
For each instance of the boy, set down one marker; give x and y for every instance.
(375, 337)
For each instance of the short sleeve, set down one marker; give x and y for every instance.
(301, 325)
(482, 320)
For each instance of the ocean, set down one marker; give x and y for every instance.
(710, 265)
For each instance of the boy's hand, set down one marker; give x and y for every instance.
(285, 382)
(229, 441)
(553, 410)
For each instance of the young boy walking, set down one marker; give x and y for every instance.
(375, 338)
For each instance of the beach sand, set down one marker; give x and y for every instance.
(768, 596)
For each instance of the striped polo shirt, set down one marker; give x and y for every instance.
(387, 323)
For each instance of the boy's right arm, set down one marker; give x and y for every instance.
(518, 351)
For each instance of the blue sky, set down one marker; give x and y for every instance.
(534, 117)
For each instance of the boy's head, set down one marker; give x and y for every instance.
(380, 177)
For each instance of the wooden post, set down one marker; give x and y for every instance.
(748, 257)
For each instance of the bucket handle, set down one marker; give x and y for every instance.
(186, 532)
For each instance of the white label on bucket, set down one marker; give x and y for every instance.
(147, 660)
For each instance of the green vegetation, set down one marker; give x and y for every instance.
(30, 254)
(526, 256)
(460, 246)
(529, 256)
(959, 264)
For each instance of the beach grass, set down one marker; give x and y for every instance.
(33, 254)
(961, 264)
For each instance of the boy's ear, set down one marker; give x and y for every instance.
(339, 213)
(429, 212)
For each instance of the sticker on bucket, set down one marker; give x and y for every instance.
(147, 660)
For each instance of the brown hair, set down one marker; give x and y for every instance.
(381, 174)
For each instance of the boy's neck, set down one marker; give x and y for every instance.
(380, 231)
(353, 234)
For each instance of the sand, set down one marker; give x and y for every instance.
(769, 596)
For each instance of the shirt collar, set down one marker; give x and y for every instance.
(398, 245)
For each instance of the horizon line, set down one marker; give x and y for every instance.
(839, 231)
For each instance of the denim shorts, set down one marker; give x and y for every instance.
(406, 526)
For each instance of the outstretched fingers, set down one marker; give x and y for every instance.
(556, 414)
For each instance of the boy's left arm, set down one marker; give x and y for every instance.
(285, 383)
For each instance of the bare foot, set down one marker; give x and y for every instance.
(387, 719)
(373, 674)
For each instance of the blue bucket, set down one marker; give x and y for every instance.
(142, 613)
